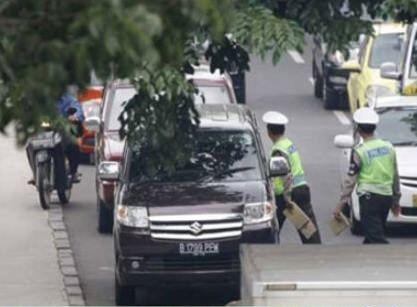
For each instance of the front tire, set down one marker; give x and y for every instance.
(318, 82)
(124, 296)
(64, 195)
(105, 218)
(330, 98)
(44, 186)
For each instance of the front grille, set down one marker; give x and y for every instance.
(89, 141)
(192, 264)
(196, 227)
(409, 211)
(409, 181)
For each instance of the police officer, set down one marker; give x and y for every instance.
(294, 186)
(373, 169)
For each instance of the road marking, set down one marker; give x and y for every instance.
(311, 80)
(343, 119)
(296, 56)
(106, 268)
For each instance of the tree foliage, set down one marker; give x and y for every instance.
(164, 97)
(48, 44)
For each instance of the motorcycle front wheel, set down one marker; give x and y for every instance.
(44, 186)
(64, 195)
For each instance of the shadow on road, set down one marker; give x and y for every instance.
(403, 231)
(189, 296)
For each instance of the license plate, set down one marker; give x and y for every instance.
(199, 249)
(415, 200)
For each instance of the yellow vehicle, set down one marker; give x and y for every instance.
(365, 83)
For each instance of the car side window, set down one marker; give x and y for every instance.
(362, 51)
(106, 95)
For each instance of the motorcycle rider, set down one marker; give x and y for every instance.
(70, 108)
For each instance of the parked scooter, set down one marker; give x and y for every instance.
(50, 165)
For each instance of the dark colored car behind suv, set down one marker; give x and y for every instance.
(329, 75)
(185, 227)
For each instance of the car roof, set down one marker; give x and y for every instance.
(225, 117)
(203, 72)
(120, 83)
(396, 101)
(389, 27)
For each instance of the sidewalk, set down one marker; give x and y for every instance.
(29, 271)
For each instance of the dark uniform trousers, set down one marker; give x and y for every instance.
(301, 196)
(374, 209)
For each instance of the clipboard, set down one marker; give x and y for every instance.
(338, 225)
(300, 220)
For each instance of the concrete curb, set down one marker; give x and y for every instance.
(66, 262)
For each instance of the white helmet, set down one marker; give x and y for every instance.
(366, 116)
(275, 118)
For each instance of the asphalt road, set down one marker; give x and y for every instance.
(287, 88)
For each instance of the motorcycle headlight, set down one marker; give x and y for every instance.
(132, 216)
(375, 91)
(258, 213)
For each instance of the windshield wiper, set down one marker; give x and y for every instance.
(226, 172)
(405, 143)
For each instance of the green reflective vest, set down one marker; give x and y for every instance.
(377, 166)
(285, 146)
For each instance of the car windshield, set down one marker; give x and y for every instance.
(399, 126)
(116, 106)
(212, 94)
(386, 48)
(218, 156)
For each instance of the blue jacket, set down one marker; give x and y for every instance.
(67, 101)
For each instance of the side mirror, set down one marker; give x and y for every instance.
(108, 170)
(352, 66)
(278, 167)
(92, 123)
(344, 141)
(389, 70)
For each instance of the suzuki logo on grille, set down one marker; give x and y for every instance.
(196, 228)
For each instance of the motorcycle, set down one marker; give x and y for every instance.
(50, 165)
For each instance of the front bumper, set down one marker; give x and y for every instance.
(408, 204)
(87, 144)
(336, 78)
(106, 192)
(160, 263)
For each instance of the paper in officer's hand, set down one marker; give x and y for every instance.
(308, 229)
(296, 216)
(339, 224)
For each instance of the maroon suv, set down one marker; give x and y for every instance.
(109, 147)
(183, 228)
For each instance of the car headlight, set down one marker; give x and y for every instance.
(258, 213)
(337, 58)
(91, 108)
(132, 216)
(375, 91)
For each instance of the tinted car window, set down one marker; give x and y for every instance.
(218, 156)
(398, 125)
(116, 106)
(212, 95)
(386, 48)
(413, 62)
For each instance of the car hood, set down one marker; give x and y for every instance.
(406, 160)
(114, 146)
(193, 198)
